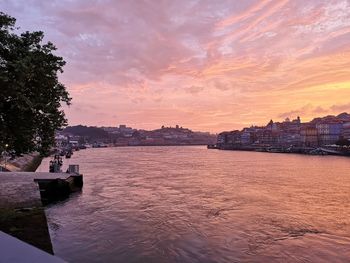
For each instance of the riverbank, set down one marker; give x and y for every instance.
(325, 150)
(21, 212)
(22, 195)
(27, 163)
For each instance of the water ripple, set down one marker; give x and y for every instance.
(190, 204)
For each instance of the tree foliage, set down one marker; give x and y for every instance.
(91, 132)
(30, 93)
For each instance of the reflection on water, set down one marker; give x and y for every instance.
(190, 204)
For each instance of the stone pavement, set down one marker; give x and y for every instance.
(18, 190)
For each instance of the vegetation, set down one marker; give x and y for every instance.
(89, 132)
(31, 95)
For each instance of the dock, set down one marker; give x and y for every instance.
(22, 196)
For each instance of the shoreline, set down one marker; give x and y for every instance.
(27, 163)
(316, 151)
(153, 145)
(22, 214)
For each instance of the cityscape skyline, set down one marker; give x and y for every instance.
(211, 66)
(315, 119)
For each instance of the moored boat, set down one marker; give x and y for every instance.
(212, 146)
(69, 154)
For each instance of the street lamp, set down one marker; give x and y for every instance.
(5, 154)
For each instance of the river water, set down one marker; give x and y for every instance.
(190, 204)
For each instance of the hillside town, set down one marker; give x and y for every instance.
(83, 136)
(290, 135)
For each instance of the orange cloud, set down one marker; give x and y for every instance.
(207, 65)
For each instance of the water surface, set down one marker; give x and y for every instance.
(190, 204)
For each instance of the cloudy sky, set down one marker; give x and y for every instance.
(208, 65)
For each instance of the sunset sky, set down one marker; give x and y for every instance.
(207, 65)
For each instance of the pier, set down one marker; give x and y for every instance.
(22, 196)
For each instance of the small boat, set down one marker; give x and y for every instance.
(212, 146)
(99, 145)
(68, 155)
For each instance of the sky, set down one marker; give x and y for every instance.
(206, 65)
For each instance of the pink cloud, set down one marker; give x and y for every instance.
(204, 64)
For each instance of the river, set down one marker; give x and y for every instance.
(190, 204)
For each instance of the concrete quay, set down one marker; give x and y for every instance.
(22, 195)
(14, 250)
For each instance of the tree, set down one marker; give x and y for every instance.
(93, 133)
(30, 93)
